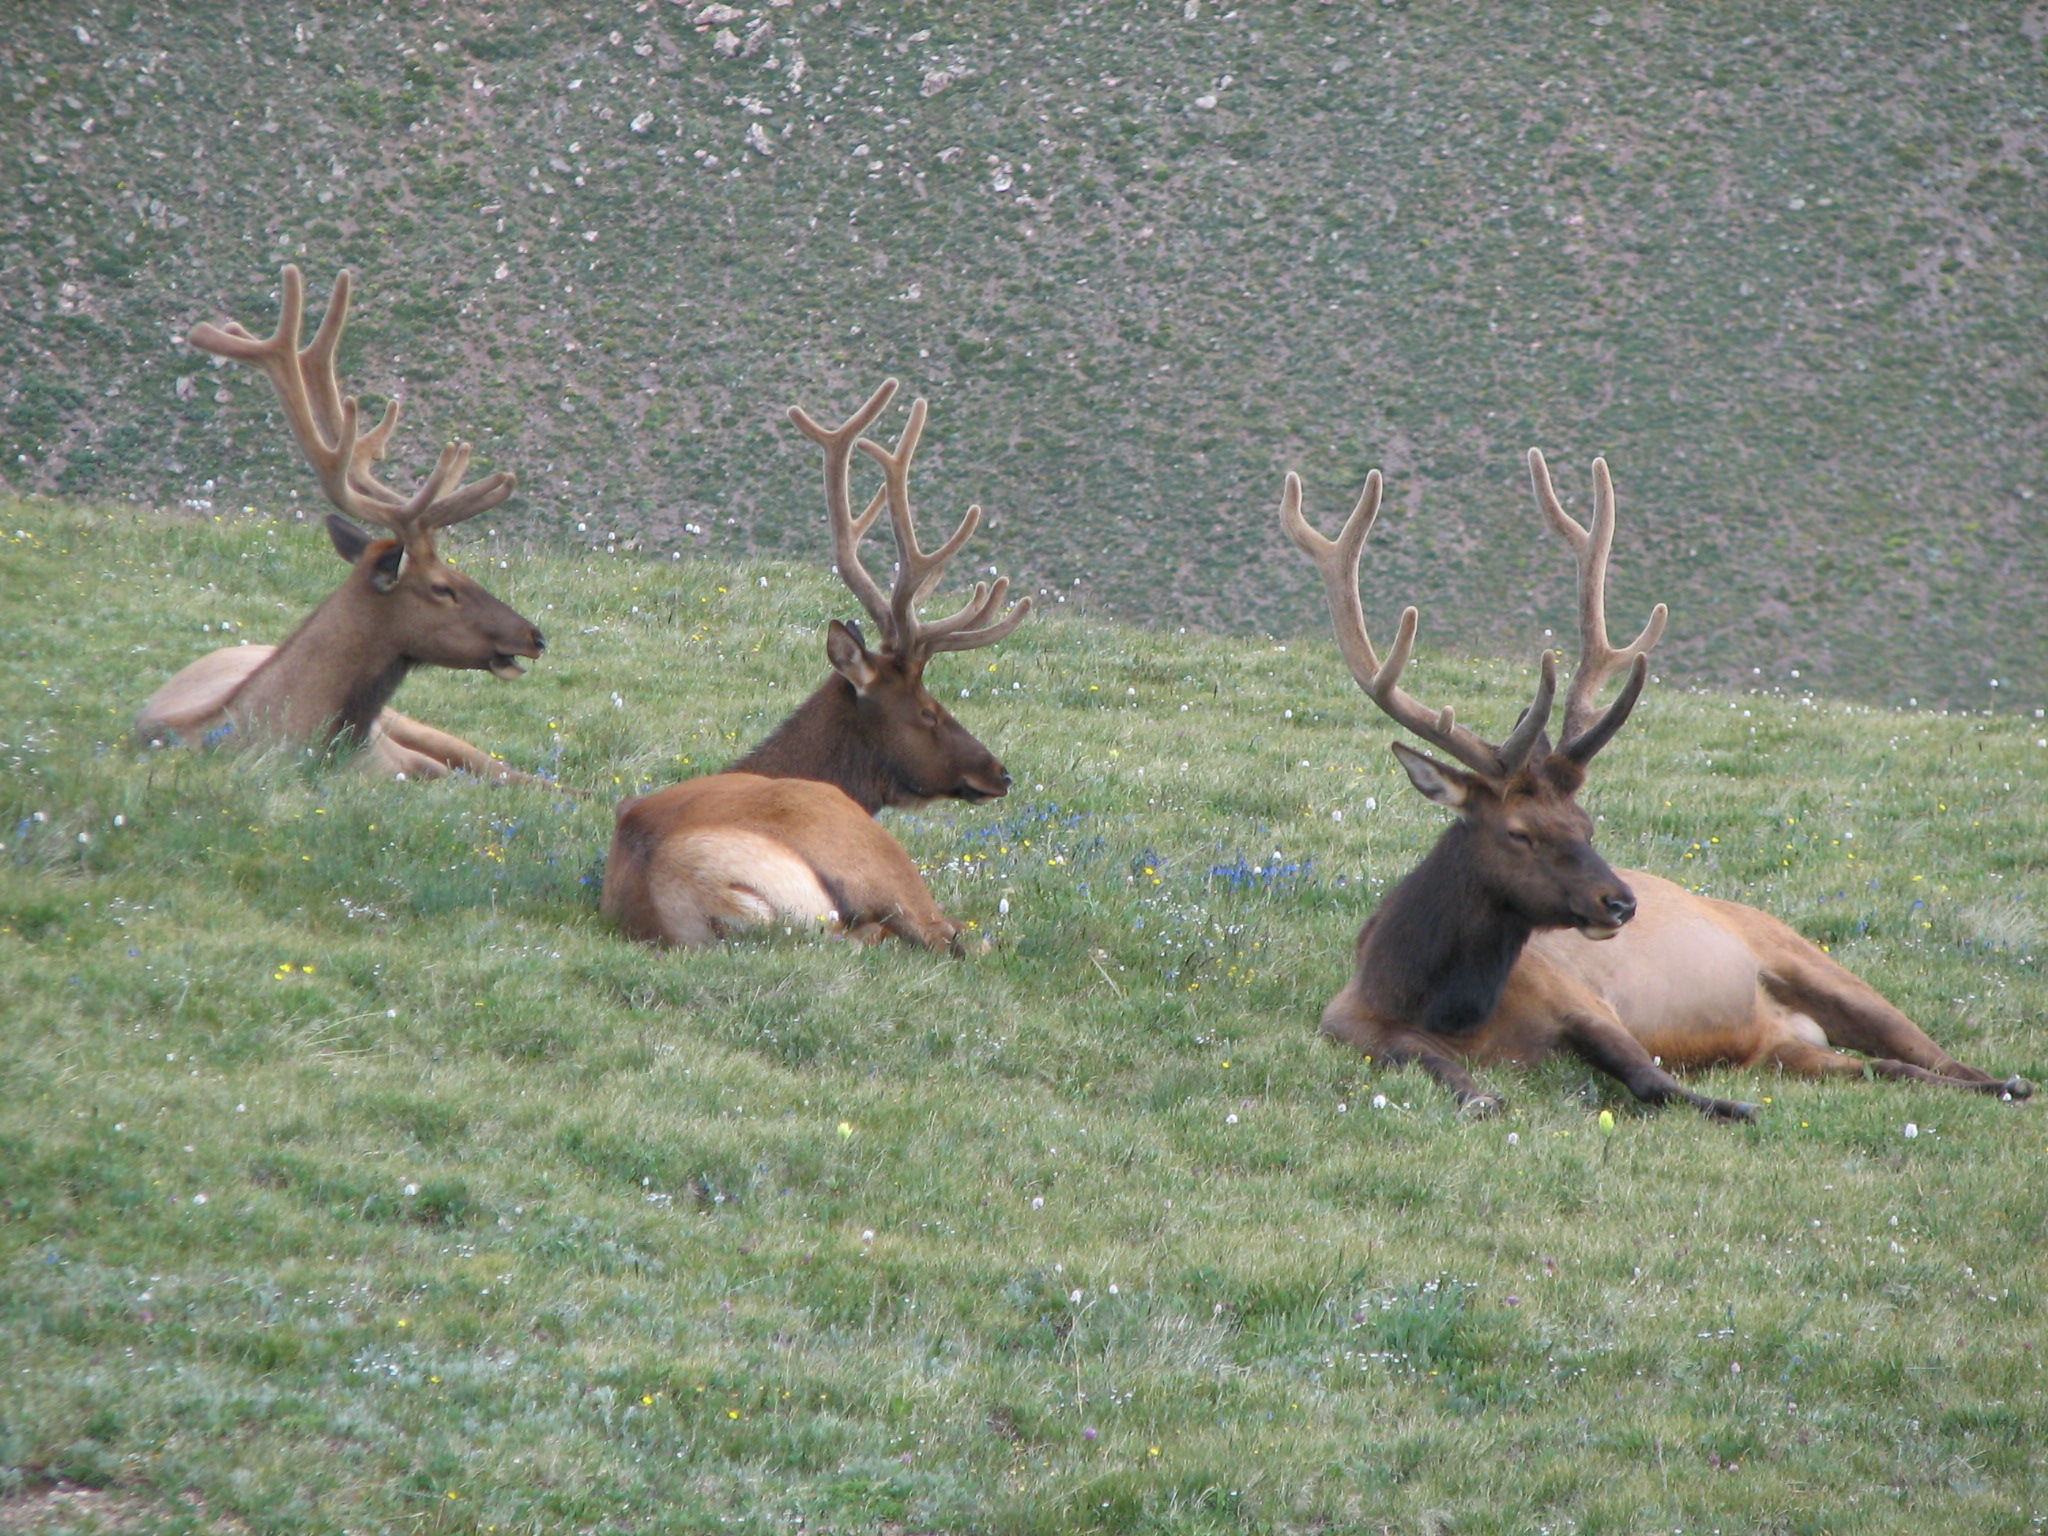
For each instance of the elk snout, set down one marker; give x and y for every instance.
(505, 663)
(1616, 908)
(991, 781)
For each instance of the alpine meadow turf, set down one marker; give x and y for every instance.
(354, 1175)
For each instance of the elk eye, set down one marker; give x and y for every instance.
(931, 717)
(443, 589)
(1522, 839)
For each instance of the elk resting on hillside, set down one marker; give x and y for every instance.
(1513, 939)
(789, 831)
(327, 686)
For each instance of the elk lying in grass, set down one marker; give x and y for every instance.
(1513, 938)
(327, 686)
(789, 831)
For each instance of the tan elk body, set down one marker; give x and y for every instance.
(789, 832)
(328, 685)
(1514, 939)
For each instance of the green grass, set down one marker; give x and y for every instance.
(354, 1175)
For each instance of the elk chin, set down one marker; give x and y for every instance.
(978, 788)
(506, 666)
(1598, 932)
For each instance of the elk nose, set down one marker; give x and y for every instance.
(1620, 908)
(539, 642)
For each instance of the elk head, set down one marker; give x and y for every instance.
(1521, 842)
(900, 739)
(414, 601)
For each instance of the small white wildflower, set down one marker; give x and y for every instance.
(1912, 1131)
(1230, 1119)
(412, 1189)
(1379, 1101)
(1038, 1202)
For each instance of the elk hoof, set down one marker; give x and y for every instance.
(1733, 1109)
(1482, 1106)
(2016, 1088)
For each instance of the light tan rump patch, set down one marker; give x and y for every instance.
(195, 700)
(701, 883)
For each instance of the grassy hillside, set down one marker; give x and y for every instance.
(1775, 262)
(355, 1175)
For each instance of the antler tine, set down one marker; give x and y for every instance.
(323, 424)
(442, 509)
(1336, 560)
(847, 530)
(918, 570)
(336, 414)
(942, 635)
(1599, 660)
(327, 423)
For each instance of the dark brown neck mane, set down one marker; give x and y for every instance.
(823, 739)
(1437, 953)
(331, 677)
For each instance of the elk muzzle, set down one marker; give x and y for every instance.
(1615, 907)
(505, 663)
(988, 781)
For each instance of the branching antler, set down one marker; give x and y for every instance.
(1337, 561)
(847, 530)
(917, 570)
(1598, 658)
(326, 422)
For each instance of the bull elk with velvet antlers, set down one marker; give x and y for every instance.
(328, 685)
(1513, 939)
(789, 831)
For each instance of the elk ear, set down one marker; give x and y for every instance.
(850, 658)
(386, 564)
(1437, 781)
(349, 540)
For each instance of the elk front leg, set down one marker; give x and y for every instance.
(931, 928)
(944, 934)
(877, 886)
(1401, 1048)
(419, 749)
(1603, 1043)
